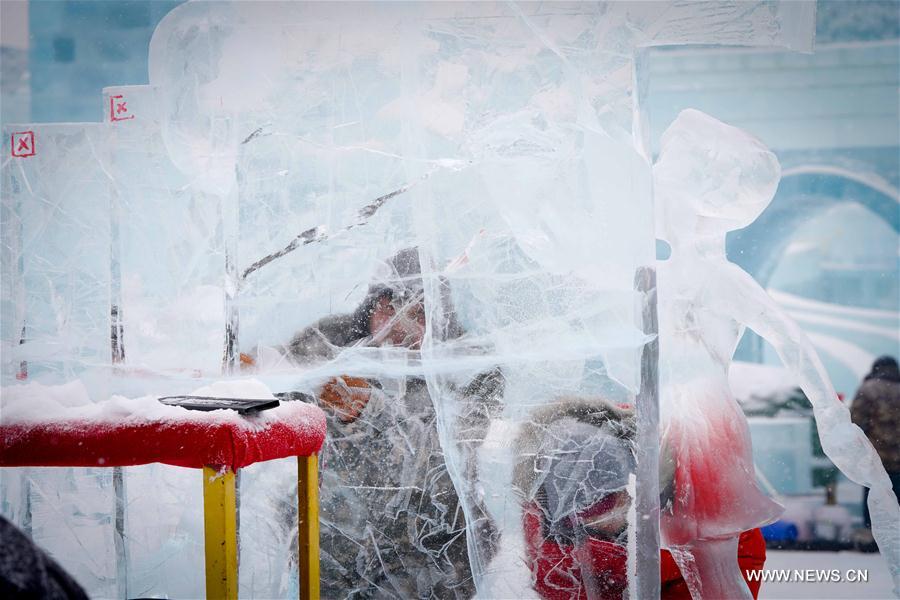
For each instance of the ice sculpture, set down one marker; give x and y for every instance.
(709, 179)
(169, 310)
(282, 155)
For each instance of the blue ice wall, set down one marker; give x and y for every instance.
(833, 120)
(79, 47)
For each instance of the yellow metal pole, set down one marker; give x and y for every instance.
(220, 532)
(308, 520)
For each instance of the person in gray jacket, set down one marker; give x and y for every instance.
(392, 523)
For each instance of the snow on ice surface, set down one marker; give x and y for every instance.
(35, 402)
(497, 139)
(39, 431)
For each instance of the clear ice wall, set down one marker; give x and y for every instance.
(290, 164)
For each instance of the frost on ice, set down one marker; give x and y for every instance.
(435, 221)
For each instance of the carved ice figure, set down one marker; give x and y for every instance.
(711, 178)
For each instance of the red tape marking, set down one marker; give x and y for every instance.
(118, 109)
(22, 144)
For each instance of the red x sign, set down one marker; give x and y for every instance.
(22, 144)
(118, 109)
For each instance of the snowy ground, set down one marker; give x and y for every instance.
(878, 586)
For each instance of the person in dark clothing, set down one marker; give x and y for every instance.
(392, 522)
(27, 572)
(876, 410)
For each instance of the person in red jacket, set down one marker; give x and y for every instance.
(575, 459)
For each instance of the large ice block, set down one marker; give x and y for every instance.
(434, 220)
(56, 201)
(495, 141)
(167, 252)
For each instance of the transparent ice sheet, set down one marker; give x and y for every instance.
(498, 140)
